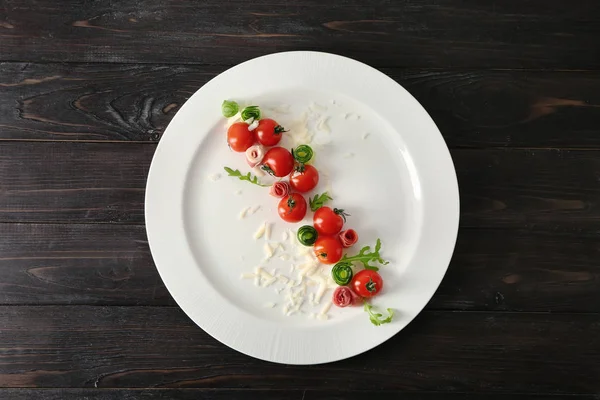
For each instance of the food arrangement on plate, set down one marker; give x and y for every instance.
(352, 279)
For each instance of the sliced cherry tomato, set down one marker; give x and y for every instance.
(366, 283)
(292, 208)
(304, 178)
(269, 132)
(328, 249)
(278, 162)
(328, 221)
(239, 137)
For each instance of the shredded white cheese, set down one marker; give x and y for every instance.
(247, 276)
(243, 213)
(322, 317)
(254, 209)
(326, 308)
(284, 236)
(253, 125)
(284, 257)
(260, 231)
(268, 250)
(283, 279)
(269, 305)
(214, 177)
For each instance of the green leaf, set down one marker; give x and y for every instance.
(375, 317)
(248, 177)
(318, 201)
(251, 112)
(229, 108)
(365, 256)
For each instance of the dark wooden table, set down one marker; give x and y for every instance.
(88, 87)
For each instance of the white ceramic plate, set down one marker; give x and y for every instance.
(384, 161)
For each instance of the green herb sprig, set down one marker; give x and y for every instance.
(248, 177)
(375, 317)
(365, 256)
(318, 201)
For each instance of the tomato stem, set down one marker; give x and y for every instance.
(341, 213)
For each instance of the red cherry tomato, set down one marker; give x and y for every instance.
(269, 132)
(239, 137)
(328, 221)
(292, 208)
(328, 249)
(304, 178)
(366, 283)
(278, 162)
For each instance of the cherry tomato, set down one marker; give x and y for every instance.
(269, 132)
(328, 221)
(278, 162)
(239, 137)
(328, 249)
(366, 283)
(292, 208)
(304, 178)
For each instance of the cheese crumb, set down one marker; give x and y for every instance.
(243, 213)
(247, 276)
(269, 305)
(260, 231)
(214, 177)
(268, 250)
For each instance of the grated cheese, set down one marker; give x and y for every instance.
(326, 308)
(260, 231)
(253, 126)
(284, 257)
(269, 305)
(268, 250)
(243, 213)
(214, 177)
(254, 209)
(284, 236)
(247, 276)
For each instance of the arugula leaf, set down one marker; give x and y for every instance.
(248, 177)
(366, 255)
(375, 317)
(318, 201)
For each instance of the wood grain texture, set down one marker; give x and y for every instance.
(136, 102)
(92, 182)
(111, 347)
(271, 394)
(73, 182)
(491, 270)
(524, 34)
(78, 264)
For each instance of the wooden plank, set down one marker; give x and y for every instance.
(78, 264)
(524, 34)
(271, 394)
(113, 347)
(73, 182)
(91, 182)
(101, 264)
(136, 102)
